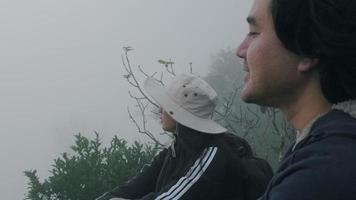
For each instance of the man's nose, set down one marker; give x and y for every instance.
(242, 50)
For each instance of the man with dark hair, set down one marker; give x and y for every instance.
(300, 57)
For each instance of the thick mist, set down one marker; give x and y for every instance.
(61, 71)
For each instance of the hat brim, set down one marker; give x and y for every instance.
(177, 112)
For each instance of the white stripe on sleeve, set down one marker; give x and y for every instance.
(192, 176)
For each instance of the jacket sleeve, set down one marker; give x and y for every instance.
(140, 185)
(322, 170)
(204, 179)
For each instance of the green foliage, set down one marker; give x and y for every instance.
(91, 170)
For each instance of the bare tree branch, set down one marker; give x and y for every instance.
(143, 131)
(191, 67)
(131, 77)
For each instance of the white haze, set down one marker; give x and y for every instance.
(61, 71)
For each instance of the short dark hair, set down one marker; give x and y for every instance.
(326, 30)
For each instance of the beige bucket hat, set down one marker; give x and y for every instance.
(189, 100)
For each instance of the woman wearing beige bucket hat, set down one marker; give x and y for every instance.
(204, 162)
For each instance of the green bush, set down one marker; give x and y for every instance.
(91, 170)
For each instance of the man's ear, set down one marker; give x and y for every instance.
(307, 64)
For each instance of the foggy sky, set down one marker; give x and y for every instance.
(61, 70)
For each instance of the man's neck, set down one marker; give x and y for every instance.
(305, 108)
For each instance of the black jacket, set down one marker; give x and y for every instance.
(323, 165)
(206, 172)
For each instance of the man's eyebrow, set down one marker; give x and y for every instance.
(251, 20)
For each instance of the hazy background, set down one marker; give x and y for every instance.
(61, 70)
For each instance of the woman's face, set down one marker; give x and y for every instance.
(168, 123)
